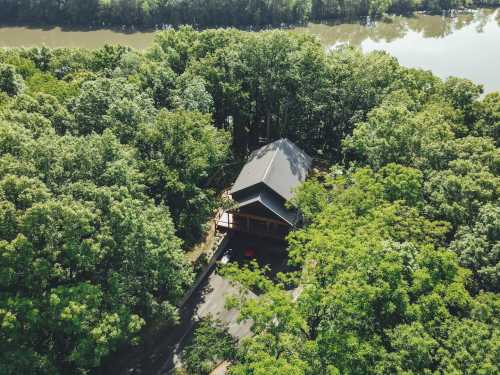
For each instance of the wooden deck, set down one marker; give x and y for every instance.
(251, 224)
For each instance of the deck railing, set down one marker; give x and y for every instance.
(252, 224)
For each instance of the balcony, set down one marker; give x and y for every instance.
(252, 224)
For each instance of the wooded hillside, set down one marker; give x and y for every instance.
(106, 165)
(211, 13)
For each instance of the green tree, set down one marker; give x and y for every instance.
(478, 248)
(180, 151)
(209, 345)
(380, 293)
(111, 104)
(10, 82)
(102, 258)
(488, 122)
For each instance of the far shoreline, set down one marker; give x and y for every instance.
(132, 29)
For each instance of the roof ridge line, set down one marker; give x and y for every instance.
(272, 160)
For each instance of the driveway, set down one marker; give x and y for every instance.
(159, 352)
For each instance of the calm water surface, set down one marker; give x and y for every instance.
(57, 37)
(466, 45)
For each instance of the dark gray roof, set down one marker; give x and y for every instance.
(271, 203)
(281, 165)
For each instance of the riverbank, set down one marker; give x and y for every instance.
(129, 29)
(221, 13)
(463, 44)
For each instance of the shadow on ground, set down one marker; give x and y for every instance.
(159, 350)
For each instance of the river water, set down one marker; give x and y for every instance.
(464, 45)
(57, 37)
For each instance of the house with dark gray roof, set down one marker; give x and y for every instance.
(266, 182)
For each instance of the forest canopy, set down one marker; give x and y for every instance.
(110, 167)
(211, 13)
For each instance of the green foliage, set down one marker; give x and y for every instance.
(380, 294)
(211, 13)
(96, 187)
(102, 258)
(169, 144)
(155, 12)
(488, 113)
(111, 104)
(110, 162)
(478, 248)
(273, 84)
(209, 345)
(460, 169)
(396, 248)
(46, 83)
(11, 83)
